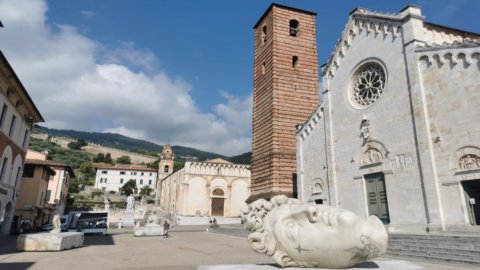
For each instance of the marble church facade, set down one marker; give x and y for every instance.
(397, 132)
(209, 188)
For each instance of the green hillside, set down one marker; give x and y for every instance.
(121, 142)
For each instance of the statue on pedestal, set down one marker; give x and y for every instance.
(298, 234)
(130, 203)
(106, 202)
(57, 226)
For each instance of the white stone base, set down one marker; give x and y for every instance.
(378, 265)
(149, 230)
(128, 220)
(49, 241)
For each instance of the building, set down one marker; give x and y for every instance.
(285, 93)
(397, 133)
(17, 116)
(210, 188)
(165, 168)
(113, 177)
(57, 190)
(32, 204)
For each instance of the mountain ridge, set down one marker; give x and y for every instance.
(126, 143)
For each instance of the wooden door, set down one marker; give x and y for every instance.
(377, 196)
(217, 206)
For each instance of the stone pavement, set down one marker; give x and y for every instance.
(186, 249)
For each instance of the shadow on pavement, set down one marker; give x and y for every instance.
(98, 240)
(7, 245)
(16, 266)
(367, 265)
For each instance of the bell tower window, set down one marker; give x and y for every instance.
(294, 61)
(264, 34)
(293, 28)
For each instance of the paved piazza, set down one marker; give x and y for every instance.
(187, 248)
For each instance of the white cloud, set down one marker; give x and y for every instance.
(87, 13)
(76, 85)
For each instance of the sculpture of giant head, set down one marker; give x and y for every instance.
(304, 235)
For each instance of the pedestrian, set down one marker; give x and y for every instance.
(166, 227)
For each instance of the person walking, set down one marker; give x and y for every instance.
(166, 227)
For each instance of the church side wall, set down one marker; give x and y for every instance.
(313, 181)
(450, 82)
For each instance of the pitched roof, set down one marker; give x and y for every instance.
(125, 167)
(284, 7)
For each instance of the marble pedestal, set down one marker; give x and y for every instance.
(148, 230)
(378, 265)
(49, 241)
(128, 220)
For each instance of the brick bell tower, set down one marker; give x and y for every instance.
(285, 94)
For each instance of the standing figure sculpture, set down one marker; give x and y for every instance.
(130, 203)
(56, 223)
(106, 202)
(297, 234)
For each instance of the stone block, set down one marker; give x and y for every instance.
(148, 230)
(49, 241)
(128, 220)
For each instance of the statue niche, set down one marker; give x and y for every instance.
(371, 156)
(469, 162)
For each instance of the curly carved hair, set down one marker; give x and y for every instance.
(261, 239)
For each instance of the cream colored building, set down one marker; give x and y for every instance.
(397, 133)
(58, 184)
(210, 188)
(17, 116)
(32, 204)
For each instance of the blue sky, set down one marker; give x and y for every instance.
(178, 71)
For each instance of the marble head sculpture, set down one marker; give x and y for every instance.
(297, 234)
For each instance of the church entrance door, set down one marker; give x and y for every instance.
(217, 206)
(472, 197)
(377, 196)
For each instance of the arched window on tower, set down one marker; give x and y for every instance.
(293, 28)
(294, 61)
(165, 169)
(264, 34)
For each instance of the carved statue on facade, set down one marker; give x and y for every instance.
(365, 129)
(469, 162)
(371, 156)
(297, 234)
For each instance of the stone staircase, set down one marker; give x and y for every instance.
(443, 248)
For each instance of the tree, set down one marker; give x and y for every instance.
(146, 190)
(108, 159)
(99, 158)
(77, 145)
(124, 160)
(129, 187)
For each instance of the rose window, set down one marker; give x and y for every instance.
(369, 82)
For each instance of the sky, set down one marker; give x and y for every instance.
(171, 72)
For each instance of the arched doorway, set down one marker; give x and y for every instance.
(7, 219)
(218, 202)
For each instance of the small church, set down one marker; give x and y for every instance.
(212, 188)
(396, 133)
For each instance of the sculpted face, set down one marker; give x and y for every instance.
(308, 235)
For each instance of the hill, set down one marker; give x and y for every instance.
(121, 142)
